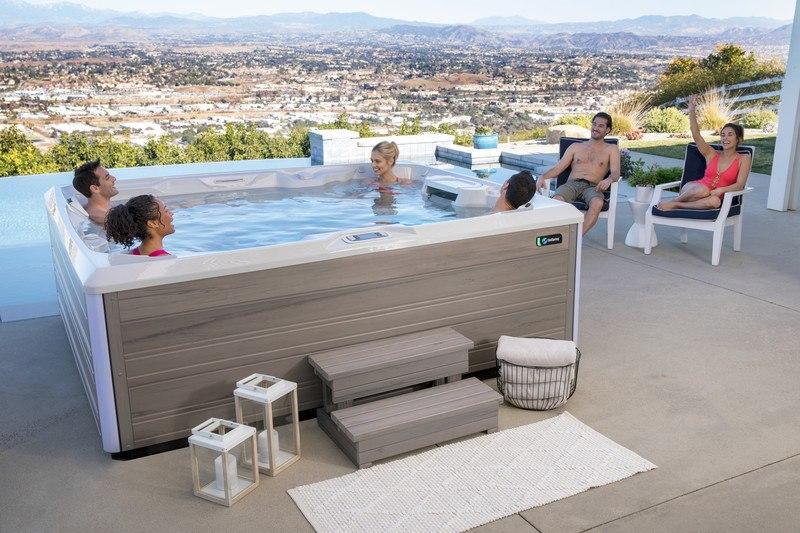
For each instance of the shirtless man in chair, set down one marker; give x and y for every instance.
(591, 160)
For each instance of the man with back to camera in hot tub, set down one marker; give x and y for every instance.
(97, 184)
(591, 160)
(516, 191)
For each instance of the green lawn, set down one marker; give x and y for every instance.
(765, 147)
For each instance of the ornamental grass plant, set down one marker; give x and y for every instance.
(628, 116)
(714, 110)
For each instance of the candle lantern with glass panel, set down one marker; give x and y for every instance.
(256, 397)
(222, 457)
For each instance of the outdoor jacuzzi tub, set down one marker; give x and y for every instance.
(160, 342)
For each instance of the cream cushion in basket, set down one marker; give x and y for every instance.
(536, 352)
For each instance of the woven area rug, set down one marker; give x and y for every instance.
(470, 483)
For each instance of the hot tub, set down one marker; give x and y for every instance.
(160, 342)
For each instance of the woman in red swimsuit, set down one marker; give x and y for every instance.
(144, 218)
(726, 170)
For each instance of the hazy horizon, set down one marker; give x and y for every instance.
(465, 11)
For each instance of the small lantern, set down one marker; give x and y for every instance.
(265, 390)
(221, 451)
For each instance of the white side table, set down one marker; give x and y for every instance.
(637, 237)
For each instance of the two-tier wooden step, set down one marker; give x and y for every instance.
(400, 424)
(383, 365)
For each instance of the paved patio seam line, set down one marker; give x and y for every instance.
(529, 522)
(767, 465)
(604, 250)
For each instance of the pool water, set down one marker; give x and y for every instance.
(233, 220)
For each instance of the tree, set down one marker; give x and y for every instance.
(162, 151)
(681, 65)
(19, 156)
(727, 65)
(74, 149)
(730, 63)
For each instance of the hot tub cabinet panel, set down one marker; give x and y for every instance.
(178, 349)
(160, 343)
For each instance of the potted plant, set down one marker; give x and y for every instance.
(484, 137)
(646, 180)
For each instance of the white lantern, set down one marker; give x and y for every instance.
(221, 453)
(273, 454)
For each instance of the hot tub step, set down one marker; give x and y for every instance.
(383, 365)
(391, 426)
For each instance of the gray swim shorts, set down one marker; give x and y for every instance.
(579, 190)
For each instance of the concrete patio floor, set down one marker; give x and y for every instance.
(693, 367)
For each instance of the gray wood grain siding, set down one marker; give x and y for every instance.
(118, 375)
(347, 271)
(180, 346)
(475, 285)
(285, 347)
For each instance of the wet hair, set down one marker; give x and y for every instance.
(85, 177)
(603, 114)
(128, 221)
(388, 150)
(521, 187)
(737, 129)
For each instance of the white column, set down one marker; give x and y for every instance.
(784, 185)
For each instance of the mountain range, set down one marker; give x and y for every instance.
(68, 21)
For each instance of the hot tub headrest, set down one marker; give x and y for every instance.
(462, 191)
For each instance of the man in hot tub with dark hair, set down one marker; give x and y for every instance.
(97, 184)
(516, 191)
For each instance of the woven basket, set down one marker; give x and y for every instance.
(537, 387)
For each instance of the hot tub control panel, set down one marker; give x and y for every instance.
(359, 237)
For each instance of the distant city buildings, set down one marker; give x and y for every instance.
(151, 94)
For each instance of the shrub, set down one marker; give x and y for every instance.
(412, 127)
(539, 132)
(460, 138)
(627, 166)
(463, 139)
(584, 120)
(759, 119)
(714, 110)
(669, 120)
(654, 176)
(483, 130)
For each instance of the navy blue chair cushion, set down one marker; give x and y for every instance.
(694, 166)
(563, 144)
(696, 214)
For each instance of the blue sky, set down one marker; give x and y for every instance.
(468, 10)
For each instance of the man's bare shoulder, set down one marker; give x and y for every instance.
(580, 146)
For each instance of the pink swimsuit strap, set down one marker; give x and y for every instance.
(154, 253)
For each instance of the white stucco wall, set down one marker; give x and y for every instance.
(784, 186)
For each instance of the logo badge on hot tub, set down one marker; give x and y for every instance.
(544, 240)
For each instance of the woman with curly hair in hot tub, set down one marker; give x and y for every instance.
(144, 218)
